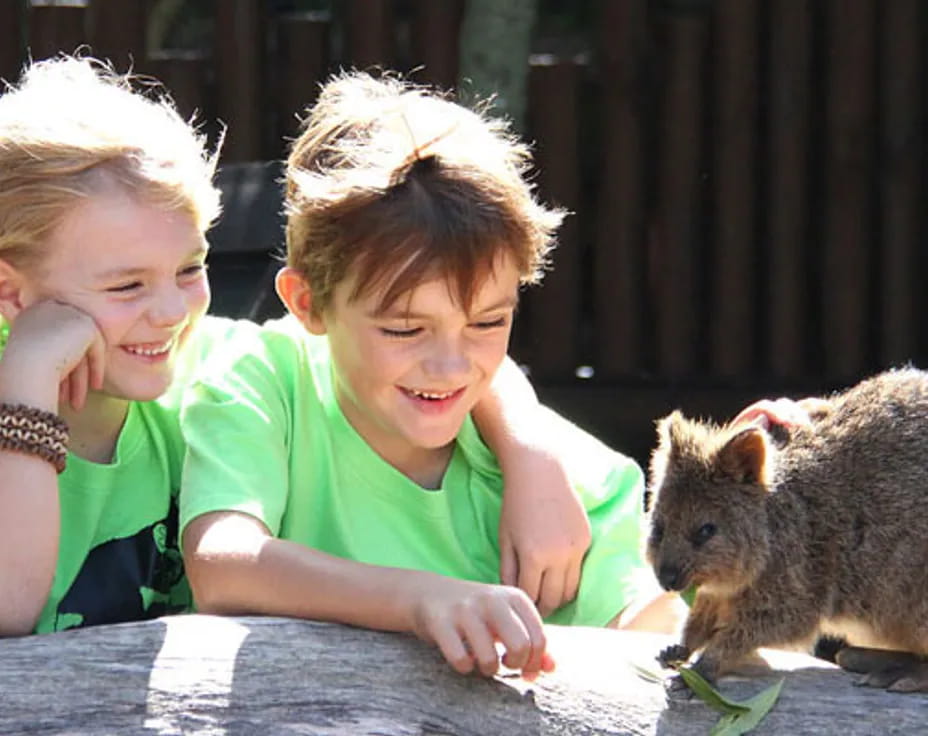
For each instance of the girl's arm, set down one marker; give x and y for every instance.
(544, 530)
(46, 343)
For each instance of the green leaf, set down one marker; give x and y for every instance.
(646, 674)
(735, 724)
(688, 595)
(712, 697)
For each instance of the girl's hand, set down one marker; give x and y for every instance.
(466, 620)
(54, 355)
(544, 532)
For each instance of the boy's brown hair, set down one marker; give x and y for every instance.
(386, 172)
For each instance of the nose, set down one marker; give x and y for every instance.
(447, 358)
(669, 576)
(169, 307)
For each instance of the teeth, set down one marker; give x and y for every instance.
(161, 350)
(430, 395)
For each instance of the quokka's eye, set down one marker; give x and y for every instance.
(704, 534)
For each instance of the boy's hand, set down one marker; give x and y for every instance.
(785, 412)
(767, 412)
(466, 620)
(544, 532)
(54, 355)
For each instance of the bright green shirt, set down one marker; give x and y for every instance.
(266, 437)
(118, 557)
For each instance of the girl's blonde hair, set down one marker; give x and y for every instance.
(72, 128)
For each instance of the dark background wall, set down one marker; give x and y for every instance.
(746, 176)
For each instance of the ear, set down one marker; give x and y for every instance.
(12, 297)
(744, 457)
(297, 296)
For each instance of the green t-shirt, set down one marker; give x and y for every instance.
(266, 437)
(118, 557)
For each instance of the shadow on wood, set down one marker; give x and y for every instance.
(205, 674)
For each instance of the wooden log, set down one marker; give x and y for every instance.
(675, 234)
(56, 28)
(11, 40)
(734, 252)
(789, 86)
(240, 86)
(208, 674)
(848, 265)
(555, 305)
(619, 307)
(902, 141)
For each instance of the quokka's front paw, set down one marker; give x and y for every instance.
(677, 689)
(673, 655)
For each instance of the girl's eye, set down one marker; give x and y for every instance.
(390, 332)
(125, 288)
(490, 324)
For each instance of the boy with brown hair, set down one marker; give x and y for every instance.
(334, 471)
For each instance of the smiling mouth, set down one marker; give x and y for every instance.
(432, 395)
(150, 350)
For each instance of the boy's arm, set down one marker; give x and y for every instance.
(544, 531)
(235, 566)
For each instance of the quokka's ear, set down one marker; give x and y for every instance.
(743, 458)
(667, 438)
(668, 430)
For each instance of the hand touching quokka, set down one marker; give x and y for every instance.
(825, 531)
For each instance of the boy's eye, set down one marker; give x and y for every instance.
(392, 332)
(490, 324)
(193, 270)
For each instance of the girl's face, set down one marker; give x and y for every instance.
(139, 272)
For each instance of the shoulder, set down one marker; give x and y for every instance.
(277, 357)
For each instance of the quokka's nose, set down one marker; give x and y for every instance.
(669, 577)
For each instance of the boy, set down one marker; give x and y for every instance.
(333, 470)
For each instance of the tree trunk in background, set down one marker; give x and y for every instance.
(495, 41)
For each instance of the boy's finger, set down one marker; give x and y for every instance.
(508, 563)
(536, 635)
(480, 642)
(572, 579)
(530, 579)
(452, 648)
(552, 592)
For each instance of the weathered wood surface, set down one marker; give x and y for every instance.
(209, 675)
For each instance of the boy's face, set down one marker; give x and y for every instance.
(138, 272)
(406, 378)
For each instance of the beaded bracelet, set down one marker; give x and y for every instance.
(34, 432)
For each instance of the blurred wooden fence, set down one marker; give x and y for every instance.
(747, 177)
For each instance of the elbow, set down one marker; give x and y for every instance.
(206, 578)
(18, 623)
(220, 551)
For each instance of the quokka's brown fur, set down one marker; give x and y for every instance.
(826, 533)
